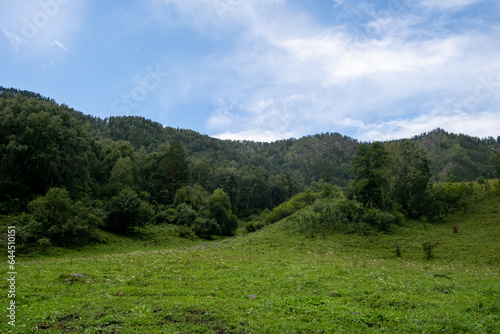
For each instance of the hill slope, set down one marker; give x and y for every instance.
(273, 281)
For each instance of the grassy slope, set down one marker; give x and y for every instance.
(336, 284)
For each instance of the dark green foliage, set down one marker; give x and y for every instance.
(219, 209)
(444, 198)
(136, 130)
(41, 146)
(199, 172)
(127, 211)
(173, 168)
(255, 226)
(185, 232)
(122, 175)
(195, 196)
(496, 162)
(56, 218)
(344, 216)
(206, 228)
(255, 192)
(185, 214)
(409, 177)
(370, 166)
(168, 216)
(228, 179)
(13, 92)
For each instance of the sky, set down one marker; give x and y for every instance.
(264, 70)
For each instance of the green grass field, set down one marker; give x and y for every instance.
(271, 281)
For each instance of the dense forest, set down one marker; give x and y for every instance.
(64, 175)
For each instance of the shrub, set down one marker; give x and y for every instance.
(496, 187)
(206, 228)
(168, 216)
(185, 232)
(127, 211)
(286, 209)
(185, 214)
(219, 209)
(255, 226)
(44, 243)
(383, 220)
(397, 247)
(428, 248)
(55, 217)
(346, 216)
(444, 198)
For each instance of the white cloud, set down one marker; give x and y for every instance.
(483, 124)
(448, 4)
(293, 77)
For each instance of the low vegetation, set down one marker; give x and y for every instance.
(276, 280)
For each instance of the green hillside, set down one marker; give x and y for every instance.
(273, 281)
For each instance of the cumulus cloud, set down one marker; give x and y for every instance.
(289, 76)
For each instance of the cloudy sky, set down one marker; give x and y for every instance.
(264, 69)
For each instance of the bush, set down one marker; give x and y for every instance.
(206, 228)
(496, 187)
(255, 226)
(346, 216)
(185, 232)
(55, 217)
(127, 211)
(444, 198)
(428, 248)
(168, 216)
(286, 209)
(383, 220)
(219, 209)
(185, 214)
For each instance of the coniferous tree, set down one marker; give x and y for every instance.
(173, 168)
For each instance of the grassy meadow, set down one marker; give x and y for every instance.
(271, 281)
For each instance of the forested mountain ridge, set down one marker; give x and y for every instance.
(324, 156)
(308, 159)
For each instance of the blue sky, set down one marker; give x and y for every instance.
(264, 69)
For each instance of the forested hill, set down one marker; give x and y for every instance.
(45, 144)
(326, 156)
